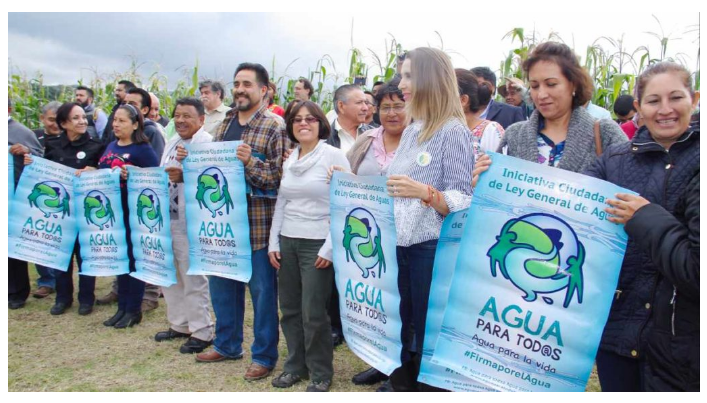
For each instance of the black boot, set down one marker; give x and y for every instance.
(129, 320)
(112, 321)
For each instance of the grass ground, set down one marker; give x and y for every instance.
(77, 353)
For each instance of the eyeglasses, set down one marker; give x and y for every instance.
(370, 103)
(395, 109)
(308, 119)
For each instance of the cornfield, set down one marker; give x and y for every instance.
(613, 68)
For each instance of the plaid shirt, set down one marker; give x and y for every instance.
(265, 134)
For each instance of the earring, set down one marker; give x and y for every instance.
(573, 93)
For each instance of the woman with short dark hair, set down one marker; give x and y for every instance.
(131, 147)
(300, 249)
(74, 148)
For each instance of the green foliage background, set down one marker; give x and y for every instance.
(613, 68)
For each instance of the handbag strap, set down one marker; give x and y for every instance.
(597, 138)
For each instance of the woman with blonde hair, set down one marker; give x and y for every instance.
(429, 177)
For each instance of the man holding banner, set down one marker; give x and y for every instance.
(264, 142)
(188, 300)
(21, 141)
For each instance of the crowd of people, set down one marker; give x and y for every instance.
(428, 131)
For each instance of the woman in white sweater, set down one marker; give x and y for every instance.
(300, 249)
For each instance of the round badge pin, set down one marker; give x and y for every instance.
(80, 155)
(423, 159)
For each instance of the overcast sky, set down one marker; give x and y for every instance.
(69, 46)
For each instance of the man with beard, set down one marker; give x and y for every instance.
(97, 119)
(121, 90)
(499, 112)
(264, 142)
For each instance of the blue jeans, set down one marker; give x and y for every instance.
(47, 277)
(228, 300)
(415, 264)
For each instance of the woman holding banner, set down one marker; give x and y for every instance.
(651, 339)
(372, 154)
(301, 251)
(131, 147)
(560, 132)
(429, 178)
(74, 148)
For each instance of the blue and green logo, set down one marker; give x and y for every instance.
(540, 254)
(362, 242)
(149, 210)
(212, 191)
(51, 198)
(98, 210)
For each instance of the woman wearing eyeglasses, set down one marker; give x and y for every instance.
(300, 249)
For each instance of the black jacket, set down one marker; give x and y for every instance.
(108, 135)
(78, 154)
(660, 176)
(505, 114)
(335, 141)
(155, 137)
(673, 243)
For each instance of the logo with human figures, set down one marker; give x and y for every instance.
(212, 192)
(362, 242)
(149, 210)
(98, 210)
(51, 198)
(540, 254)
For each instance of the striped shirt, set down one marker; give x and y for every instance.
(265, 134)
(444, 162)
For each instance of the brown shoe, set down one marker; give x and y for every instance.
(256, 371)
(108, 299)
(214, 356)
(148, 305)
(43, 292)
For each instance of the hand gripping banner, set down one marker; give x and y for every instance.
(42, 223)
(443, 271)
(217, 211)
(534, 279)
(366, 269)
(148, 202)
(99, 213)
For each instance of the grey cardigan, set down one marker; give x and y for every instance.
(580, 151)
